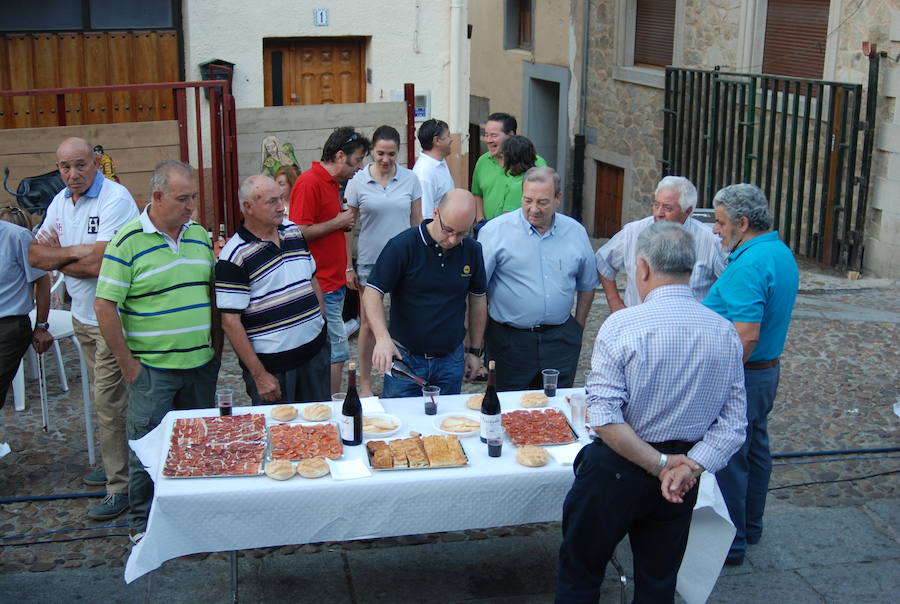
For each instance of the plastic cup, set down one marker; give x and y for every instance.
(224, 401)
(337, 403)
(578, 413)
(551, 376)
(430, 395)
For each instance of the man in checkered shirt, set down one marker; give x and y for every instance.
(666, 396)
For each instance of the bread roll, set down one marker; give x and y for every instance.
(532, 456)
(315, 467)
(284, 413)
(534, 399)
(474, 402)
(316, 413)
(279, 469)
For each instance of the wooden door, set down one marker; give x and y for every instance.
(608, 200)
(314, 71)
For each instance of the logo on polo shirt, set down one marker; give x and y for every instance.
(467, 271)
(93, 225)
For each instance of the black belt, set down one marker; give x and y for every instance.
(16, 318)
(534, 329)
(757, 365)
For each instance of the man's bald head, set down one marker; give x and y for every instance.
(252, 186)
(453, 218)
(458, 203)
(77, 165)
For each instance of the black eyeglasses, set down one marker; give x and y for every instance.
(448, 231)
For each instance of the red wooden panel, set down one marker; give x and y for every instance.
(71, 74)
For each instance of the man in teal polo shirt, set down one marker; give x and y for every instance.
(155, 285)
(756, 292)
(489, 179)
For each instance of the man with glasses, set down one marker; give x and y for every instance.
(489, 179)
(431, 272)
(316, 209)
(537, 262)
(674, 200)
(431, 167)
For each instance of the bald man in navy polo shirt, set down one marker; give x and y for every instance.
(431, 272)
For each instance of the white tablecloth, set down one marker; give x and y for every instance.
(221, 514)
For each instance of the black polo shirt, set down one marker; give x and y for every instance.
(429, 287)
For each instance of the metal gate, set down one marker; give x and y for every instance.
(797, 139)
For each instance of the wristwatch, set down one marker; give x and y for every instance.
(476, 351)
(661, 464)
(45, 326)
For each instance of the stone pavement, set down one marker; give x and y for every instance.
(832, 526)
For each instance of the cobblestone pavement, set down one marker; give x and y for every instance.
(838, 384)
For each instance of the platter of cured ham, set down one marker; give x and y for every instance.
(217, 446)
(303, 441)
(537, 427)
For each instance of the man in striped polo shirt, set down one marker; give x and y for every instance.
(271, 302)
(156, 285)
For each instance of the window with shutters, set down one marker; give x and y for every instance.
(649, 36)
(796, 37)
(654, 32)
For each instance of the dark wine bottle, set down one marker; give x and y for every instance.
(351, 412)
(491, 431)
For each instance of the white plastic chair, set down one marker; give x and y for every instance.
(60, 328)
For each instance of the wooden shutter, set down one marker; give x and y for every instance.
(654, 32)
(796, 32)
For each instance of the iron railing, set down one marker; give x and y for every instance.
(795, 138)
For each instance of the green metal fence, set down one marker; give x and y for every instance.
(795, 138)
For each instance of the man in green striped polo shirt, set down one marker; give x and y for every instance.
(154, 305)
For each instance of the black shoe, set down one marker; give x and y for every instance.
(95, 478)
(736, 561)
(113, 505)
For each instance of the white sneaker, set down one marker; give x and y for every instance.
(351, 327)
(136, 537)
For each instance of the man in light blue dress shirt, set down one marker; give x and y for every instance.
(538, 262)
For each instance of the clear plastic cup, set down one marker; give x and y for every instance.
(430, 396)
(551, 377)
(225, 401)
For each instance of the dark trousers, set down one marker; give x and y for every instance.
(15, 336)
(612, 497)
(521, 355)
(305, 383)
(154, 393)
(745, 480)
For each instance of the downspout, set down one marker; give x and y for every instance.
(579, 148)
(459, 92)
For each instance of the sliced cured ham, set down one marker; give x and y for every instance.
(538, 427)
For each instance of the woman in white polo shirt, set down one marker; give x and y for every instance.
(386, 199)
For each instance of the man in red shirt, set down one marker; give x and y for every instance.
(316, 209)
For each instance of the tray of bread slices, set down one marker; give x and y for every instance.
(416, 453)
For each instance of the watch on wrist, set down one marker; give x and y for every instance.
(476, 351)
(661, 464)
(45, 326)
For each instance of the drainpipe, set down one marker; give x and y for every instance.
(459, 90)
(578, 151)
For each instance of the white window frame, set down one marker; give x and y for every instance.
(625, 69)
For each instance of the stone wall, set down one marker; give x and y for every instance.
(625, 104)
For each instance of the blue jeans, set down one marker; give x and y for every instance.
(745, 480)
(444, 372)
(337, 337)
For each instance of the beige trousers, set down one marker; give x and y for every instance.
(110, 398)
